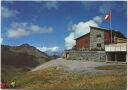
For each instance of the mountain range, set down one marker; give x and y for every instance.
(23, 55)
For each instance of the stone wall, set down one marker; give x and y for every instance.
(86, 55)
(94, 40)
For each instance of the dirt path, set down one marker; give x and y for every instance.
(74, 65)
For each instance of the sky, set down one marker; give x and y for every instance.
(53, 25)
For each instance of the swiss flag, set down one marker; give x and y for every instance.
(107, 16)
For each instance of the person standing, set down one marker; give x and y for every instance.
(13, 84)
(3, 84)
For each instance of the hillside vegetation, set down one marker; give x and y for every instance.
(20, 59)
(57, 78)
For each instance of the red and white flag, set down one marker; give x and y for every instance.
(108, 16)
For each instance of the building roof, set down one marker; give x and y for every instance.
(83, 36)
(118, 33)
(104, 29)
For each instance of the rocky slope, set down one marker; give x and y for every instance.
(23, 55)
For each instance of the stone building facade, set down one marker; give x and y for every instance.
(91, 46)
(96, 39)
(85, 55)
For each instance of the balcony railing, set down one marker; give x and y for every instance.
(116, 47)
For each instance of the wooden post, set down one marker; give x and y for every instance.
(126, 57)
(106, 57)
(115, 57)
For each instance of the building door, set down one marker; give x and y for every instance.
(121, 56)
(111, 56)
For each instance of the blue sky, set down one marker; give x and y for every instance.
(52, 25)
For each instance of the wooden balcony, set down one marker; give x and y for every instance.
(116, 47)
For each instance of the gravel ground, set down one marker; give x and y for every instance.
(74, 65)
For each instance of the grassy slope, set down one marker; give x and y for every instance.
(56, 77)
(112, 67)
(8, 72)
(13, 63)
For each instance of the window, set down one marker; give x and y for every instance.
(98, 45)
(98, 35)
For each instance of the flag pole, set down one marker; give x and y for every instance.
(110, 25)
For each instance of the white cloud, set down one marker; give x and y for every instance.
(15, 33)
(36, 28)
(83, 27)
(51, 49)
(24, 29)
(6, 13)
(51, 4)
(80, 29)
(1, 40)
(98, 19)
(70, 25)
(69, 41)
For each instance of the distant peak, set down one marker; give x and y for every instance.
(25, 45)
